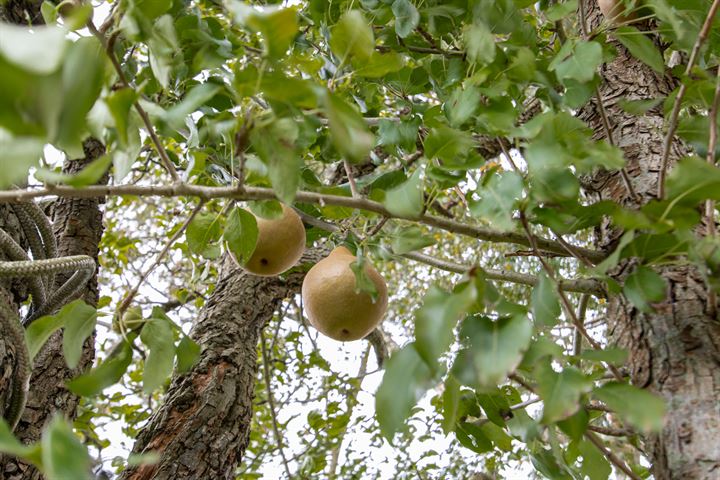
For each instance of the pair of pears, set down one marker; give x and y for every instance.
(332, 303)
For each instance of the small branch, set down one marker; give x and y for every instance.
(271, 404)
(673, 123)
(260, 193)
(567, 307)
(164, 158)
(612, 458)
(590, 286)
(134, 291)
(432, 51)
(577, 336)
(710, 204)
(610, 432)
(351, 179)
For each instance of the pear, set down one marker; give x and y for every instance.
(280, 244)
(613, 10)
(332, 303)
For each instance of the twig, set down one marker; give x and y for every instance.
(271, 403)
(712, 145)
(435, 51)
(673, 123)
(351, 179)
(610, 432)
(260, 193)
(164, 158)
(134, 291)
(577, 336)
(351, 402)
(590, 285)
(567, 307)
(612, 458)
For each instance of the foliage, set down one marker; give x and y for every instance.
(410, 94)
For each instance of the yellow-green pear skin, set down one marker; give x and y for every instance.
(332, 303)
(280, 244)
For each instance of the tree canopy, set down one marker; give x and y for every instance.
(467, 149)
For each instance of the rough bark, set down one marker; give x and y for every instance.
(674, 351)
(78, 229)
(203, 427)
(21, 12)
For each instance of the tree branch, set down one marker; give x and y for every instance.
(259, 193)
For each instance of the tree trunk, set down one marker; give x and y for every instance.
(674, 351)
(78, 229)
(203, 427)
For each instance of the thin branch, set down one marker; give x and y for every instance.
(612, 458)
(271, 404)
(567, 307)
(611, 432)
(577, 336)
(351, 179)
(164, 158)
(712, 145)
(673, 123)
(134, 291)
(260, 193)
(590, 285)
(432, 51)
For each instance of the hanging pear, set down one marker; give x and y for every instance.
(614, 11)
(280, 244)
(332, 303)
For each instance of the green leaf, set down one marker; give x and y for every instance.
(644, 287)
(406, 200)
(380, 64)
(473, 437)
(12, 446)
(89, 175)
(19, 154)
(461, 105)
(276, 145)
(545, 304)
(693, 180)
(350, 134)
(79, 320)
(498, 195)
(561, 10)
(107, 373)
(560, 392)
(241, 234)
(450, 403)
(352, 38)
(405, 380)
(406, 17)
(641, 47)
(40, 50)
(40, 330)
(63, 456)
(157, 335)
(616, 356)
(497, 435)
(163, 45)
(203, 233)
(82, 80)
(435, 321)
(278, 26)
(576, 425)
(152, 9)
(447, 143)
(640, 408)
(187, 353)
(639, 106)
(594, 465)
(268, 209)
(409, 239)
(479, 43)
(198, 96)
(578, 61)
(492, 349)
(119, 103)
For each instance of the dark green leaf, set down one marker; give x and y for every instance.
(406, 17)
(406, 200)
(644, 287)
(157, 335)
(545, 304)
(639, 408)
(241, 234)
(79, 320)
(352, 38)
(276, 145)
(203, 233)
(561, 391)
(641, 47)
(63, 456)
(187, 352)
(278, 26)
(107, 373)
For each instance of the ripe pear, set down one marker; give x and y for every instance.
(280, 244)
(613, 10)
(332, 303)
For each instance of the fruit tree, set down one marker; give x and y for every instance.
(359, 239)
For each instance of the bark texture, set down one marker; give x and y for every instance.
(78, 229)
(21, 12)
(202, 429)
(674, 351)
